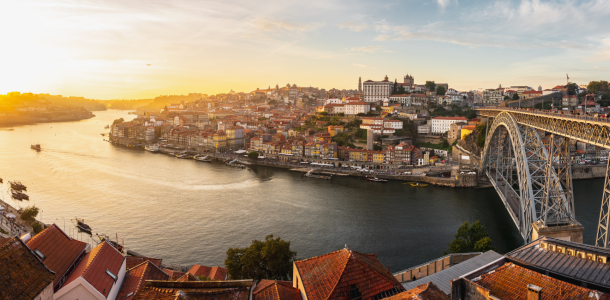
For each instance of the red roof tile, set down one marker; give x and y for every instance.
(188, 277)
(22, 275)
(173, 274)
(331, 275)
(94, 265)
(61, 252)
(510, 282)
(132, 261)
(215, 273)
(135, 277)
(426, 291)
(195, 290)
(275, 290)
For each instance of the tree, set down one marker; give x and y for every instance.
(400, 90)
(262, 118)
(360, 133)
(506, 98)
(470, 238)
(440, 90)
(118, 121)
(515, 96)
(323, 113)
(572, 87)
(430, 86)
(253, 155)
(268, 259)
(36, 227)
(444, 144)
(596, 87)
(341, 114)
(482, 129)
(29, 213)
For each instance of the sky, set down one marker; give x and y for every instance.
(125, 49)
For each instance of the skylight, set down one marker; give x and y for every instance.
(111, 275)
(42, 257)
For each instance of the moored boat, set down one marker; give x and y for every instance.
(418, 184)
(19, 195)
(375, 179)
(16, 185)
(152, 148)
(36, 147)
(202, 158)
(80, 223)
(310, 174)
(183, 156)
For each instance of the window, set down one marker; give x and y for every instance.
(354, 293)
(111, 275)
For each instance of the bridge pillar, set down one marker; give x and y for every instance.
(568, 232)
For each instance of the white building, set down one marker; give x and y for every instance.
(377, 90)
(402, 98)
(424, 129)
(98, 276)
(333, 101)
(395, 124)
(441, 125)
(492, 97)
(354, 108)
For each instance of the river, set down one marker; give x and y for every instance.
(187, 212)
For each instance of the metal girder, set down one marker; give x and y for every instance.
(517, 164)
(558, 206)
(601, 239)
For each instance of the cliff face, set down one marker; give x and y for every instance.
(470, 143)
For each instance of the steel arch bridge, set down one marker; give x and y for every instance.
(547, 198)
(524, 175)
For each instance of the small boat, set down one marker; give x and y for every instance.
(202, 158)
(80, 223)
(16, 185)
(105, 238)
(19, 195)
(375, 179)
(107, 126)
(310, 174)
(152, 148)
(183, 156)
(1, 180)
(36, 147)
(418, 184)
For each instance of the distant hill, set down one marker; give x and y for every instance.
(14, 100)
(161, 101)
(125, 104)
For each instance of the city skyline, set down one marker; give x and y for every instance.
(70, 48)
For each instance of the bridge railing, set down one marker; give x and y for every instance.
(598, 118)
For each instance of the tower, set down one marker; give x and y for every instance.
(386, 77)
(359, 84)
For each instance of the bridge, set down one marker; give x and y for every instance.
(534, 178)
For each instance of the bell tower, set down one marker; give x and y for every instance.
(359, 84)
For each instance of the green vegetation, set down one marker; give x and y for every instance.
(323, 113)
(506, 98)
(596, 87)
(342, 139)
(482, 129)
(470, 238)
(546, 105)
(29, 213)
(430, 86)
(118, 121)
(203, 278)
(341, 114)
(269, 259)
(360, 134)
(572, 87)
(37, 227)
(515, 96)
(441, 146)
(253, 155)
(467, 112)
(440, 91)
(377, 148)
(262, 118)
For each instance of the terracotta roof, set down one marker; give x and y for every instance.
(275, 290)
(94, 265)
(60, 251)
(22, 274)
(216, 273)
(450, 118)
(332, 274)
(358, 103)
(195, 290)
(510, 282)
(426, 291)
(173, 273)
(132, 261)
(135, 277)
(188, 277)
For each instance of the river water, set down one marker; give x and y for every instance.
(188, 212)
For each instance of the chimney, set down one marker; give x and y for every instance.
(533, 292)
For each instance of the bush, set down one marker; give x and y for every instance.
(37, 227)
(268, 259)
(253, 155)
(470, 239)
(29, 213)
(118, 121)
(341, 115)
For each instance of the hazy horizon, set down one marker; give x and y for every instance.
(100, 50)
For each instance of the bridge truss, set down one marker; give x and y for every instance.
(533, 184)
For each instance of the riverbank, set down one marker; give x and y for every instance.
(8, 122)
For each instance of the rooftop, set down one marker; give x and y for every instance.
(426, 291)
(275, 290)
(22, 274)
(195, 290)
(59, 251)
(135, 277)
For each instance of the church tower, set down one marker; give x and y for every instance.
(359, 84)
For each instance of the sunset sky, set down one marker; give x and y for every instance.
(100, 49)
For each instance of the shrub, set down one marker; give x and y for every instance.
(29, 213)
(37, 227)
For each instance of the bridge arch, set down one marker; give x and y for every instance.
(517, 164)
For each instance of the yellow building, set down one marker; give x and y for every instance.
(220, 140)
(378, 157)
(466, 130)
(334, 130)
(387, 109)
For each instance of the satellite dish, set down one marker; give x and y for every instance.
(148, 65)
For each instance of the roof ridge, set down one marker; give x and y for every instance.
(277, 291)
(103, 244)
(372, 269)
(342, 272)
(326, 254)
